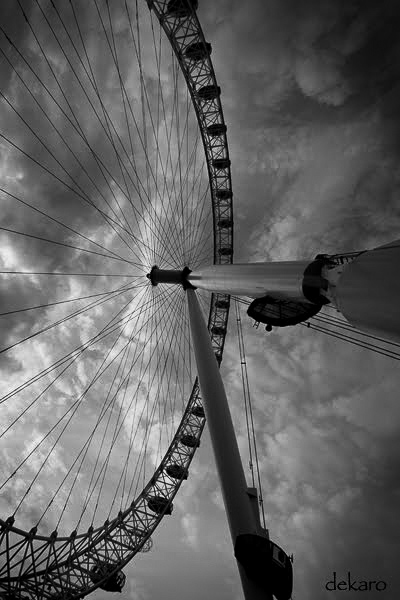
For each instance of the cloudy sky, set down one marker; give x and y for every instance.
(310, 96)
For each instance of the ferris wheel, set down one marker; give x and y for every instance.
(114, 160)
(116, 204)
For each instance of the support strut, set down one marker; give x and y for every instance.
(173, 276)
(238, 502)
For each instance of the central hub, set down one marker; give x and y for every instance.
(172, 276)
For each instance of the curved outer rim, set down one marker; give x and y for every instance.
(59, 567)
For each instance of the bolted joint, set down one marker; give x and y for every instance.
(172, 276)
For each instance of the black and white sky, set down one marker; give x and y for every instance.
(310, 93)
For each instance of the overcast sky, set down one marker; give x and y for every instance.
(310, 92)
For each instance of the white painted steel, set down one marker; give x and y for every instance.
(238, 503)
(367, 293)
(280, 279)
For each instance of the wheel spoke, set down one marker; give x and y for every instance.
(107, 171)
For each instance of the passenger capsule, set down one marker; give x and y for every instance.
(198, 51)
(181, 8)
(217, 330)
(209, 92)
(160, 504)
(221, 163)
(222, 304)
(225, 223)
(65, 595)
(223, 194)
(198, 411)
(176, 471)
(216, 129)
(114, 582)
(189, 440)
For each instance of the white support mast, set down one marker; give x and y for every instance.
(238, 503)
(365, 288)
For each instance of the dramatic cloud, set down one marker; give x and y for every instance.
(310, 93)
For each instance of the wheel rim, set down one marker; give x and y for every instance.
(51, 564)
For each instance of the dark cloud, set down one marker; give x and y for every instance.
(310, 94)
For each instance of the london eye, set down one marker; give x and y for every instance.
(132, 144)
(116, 237)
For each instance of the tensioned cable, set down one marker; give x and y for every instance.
(82, 87)
(62, 137)
(200, 229)
(160, 98)
(121, 85)
(251, 434)
(166, 191)
(83, 195)
(359, 343)
(144, 119)
(97, 376)
(104, 332)
(88, 496)
(25, 410)
(180, 317)
(148, 165)
(63, 273)
(76, 299)
(174, 372)
(313, 323)
(34, 208)
(123, 473)
(80, 132)
(125, 95)
(133, 397)
(73, 407)
(78, 312)
(150, 417)
(132, 437)
(197, 180)
(141, 469)
(102, 167)
(72, 357)
(343, 324)
(101, 415)
(192, 221)
(43, 239)
(173, 192)
(109, 220)
(46, 371)
(178, 167)
(201, 219)
(168, 331)
(160, 383)
(94, 84)
(140, 380)
(71, 67)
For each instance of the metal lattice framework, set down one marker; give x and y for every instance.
(35, 566)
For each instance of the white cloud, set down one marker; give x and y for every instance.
(319, 76)
(339, 503)
(190, 525)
